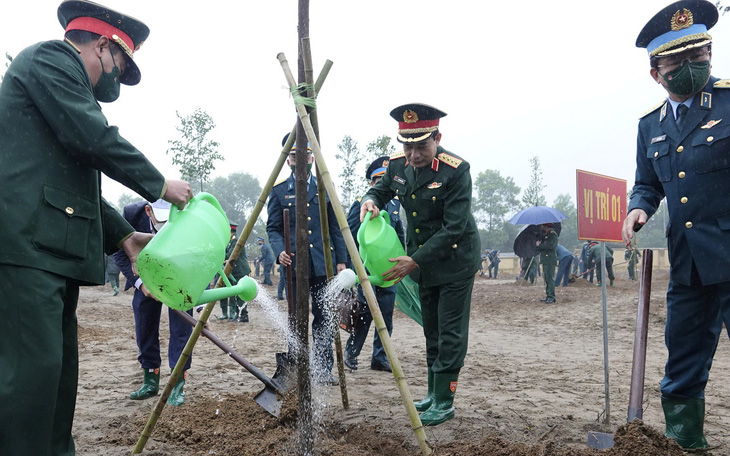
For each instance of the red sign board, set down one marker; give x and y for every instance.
(601, 206)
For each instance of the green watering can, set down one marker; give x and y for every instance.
(378, 244)
(181, 260)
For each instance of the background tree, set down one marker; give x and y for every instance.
(381, 146)
(7, 64)
(495, 197)
(569, 233)
(126, 198)
(352, 174)
(237, 195)
(194, 152)
(533, 193)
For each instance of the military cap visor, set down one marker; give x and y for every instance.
(128, 33)
(377, 168)
(416, 121)
(678, 27)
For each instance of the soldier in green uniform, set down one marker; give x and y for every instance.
(54, 143)
(594, 256)
(434, 187)
(548, 247)
(632, 256)
(233, 308)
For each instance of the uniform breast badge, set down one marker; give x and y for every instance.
(710, 124)
(434, 185)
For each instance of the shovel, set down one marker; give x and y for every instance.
(602, 440)
(285, 364)
(269, 397)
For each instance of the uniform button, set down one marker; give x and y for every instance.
(453, 246)
(413, 196)
(415, 213)
(308, 218)
(681, 174)
(688, 224)
(680, 148)
(710, 138)
(307, 204)
(684, 199)
(656, 154)
(433, 198)
(311, 246)
(418, 230)
(420, 245)
(310, 231)
(70, 210)
(289, 204)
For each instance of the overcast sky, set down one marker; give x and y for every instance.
(559, 80)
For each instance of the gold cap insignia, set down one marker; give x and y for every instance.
(682, 20)
(710, 124)
(410, 116)
(385, 164)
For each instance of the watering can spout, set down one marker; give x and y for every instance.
(348, 279)
(246, 289)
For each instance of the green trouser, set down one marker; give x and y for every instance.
(548, 272)
(39, 362)
(445, 310)
(609, 270)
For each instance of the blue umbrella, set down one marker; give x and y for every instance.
(537, 215)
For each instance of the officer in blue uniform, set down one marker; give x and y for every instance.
(443, 248)
(283, 197)
(385, 296)
(150, 218)
(267, 259)
(683, 154)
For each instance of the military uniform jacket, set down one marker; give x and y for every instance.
(442, 234)
(283, 197)
(691, 168)
(54, 143)
(240, 268)
(548, 248)
(267, 255)
(594, 254)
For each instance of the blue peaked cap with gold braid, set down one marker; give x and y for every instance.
(678, 27)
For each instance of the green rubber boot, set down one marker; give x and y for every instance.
(150, 386)
(442, 407)
(685, 420)
(233, 312)
(177, 395)
(224, 311)
(424, 404)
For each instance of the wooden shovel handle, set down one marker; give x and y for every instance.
(638, 365)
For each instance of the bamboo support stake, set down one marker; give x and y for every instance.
(203, 319)
(400, 380)
(324, 228)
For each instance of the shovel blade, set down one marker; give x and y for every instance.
(269, 401)
(600, 440)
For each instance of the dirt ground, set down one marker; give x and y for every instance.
(533, 383)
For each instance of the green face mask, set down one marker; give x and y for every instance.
(309, 168)
(690, 77)
(107, 89)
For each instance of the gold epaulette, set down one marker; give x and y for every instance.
(359, 200)
(397, 155)
(280, 182)
(722, 84)
(659, 105)
(449, 159)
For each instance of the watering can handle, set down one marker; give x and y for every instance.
(202, 196)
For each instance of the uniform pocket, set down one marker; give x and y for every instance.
(63, 223)
(659, 155)
(711, 149)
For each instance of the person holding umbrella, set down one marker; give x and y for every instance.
(547, 246)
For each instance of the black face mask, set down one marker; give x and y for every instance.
(688, 78)
(108, 87)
